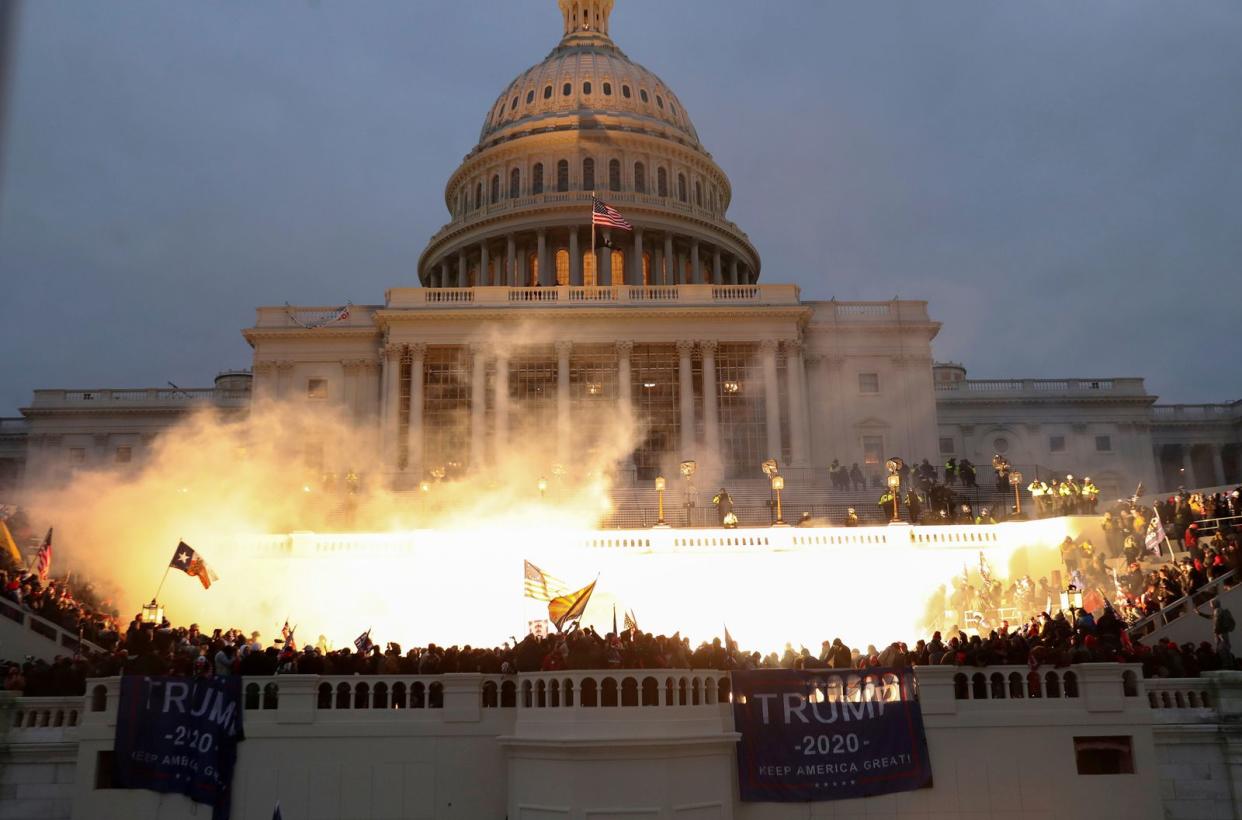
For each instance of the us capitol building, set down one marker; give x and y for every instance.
(523, 320)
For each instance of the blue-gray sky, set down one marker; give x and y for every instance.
(1062, 181)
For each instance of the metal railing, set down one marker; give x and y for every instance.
(1185, 605)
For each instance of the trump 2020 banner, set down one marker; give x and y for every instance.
(179, 735)
(828, 734)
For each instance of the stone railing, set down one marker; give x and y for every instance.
(1196, 412)
(16, 615)
(131, 398)
(1122, 387)
(30, 714)
(593, 296)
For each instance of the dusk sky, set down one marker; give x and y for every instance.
(1061, 181)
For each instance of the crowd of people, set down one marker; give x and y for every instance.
(975, 623)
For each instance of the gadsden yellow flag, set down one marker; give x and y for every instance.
(569, 607)
(6, 543)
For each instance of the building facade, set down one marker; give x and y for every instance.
(529, 321)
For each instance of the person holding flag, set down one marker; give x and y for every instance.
(43, 559)
(567, 609)
(363, 642)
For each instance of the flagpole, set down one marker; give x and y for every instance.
(594, 258)
(160, 588)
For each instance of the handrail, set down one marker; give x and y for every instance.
(1171, 612)
(43, 627)
(1237, 519)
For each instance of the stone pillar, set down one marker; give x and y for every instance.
(670, 276)
(696, 273)
(391, 356)
(575, 258)
(603, 265)
(799, 434)
(716, 268)
(771, 395)
(733, 271)
(414, 434)
(541, 255)
(657, 265)
(625, 398)
(462, 275)
(711, 403)
(636, 268)
(478, 405)
(685, 372)
(562, 400)
(501, 407)
(444, 274)
(485, 273)
(510, 261)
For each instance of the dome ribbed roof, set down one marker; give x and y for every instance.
(602, 83)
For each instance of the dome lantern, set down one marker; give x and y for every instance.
(586, 16)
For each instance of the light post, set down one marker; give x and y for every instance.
(894, 488)
(1071, 598)
(1015, 481)
(688, 469)
(152, 613)
(543, 487)
(778, 484)
(660, 485)
(771, 469)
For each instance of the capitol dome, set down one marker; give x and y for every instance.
(587, 121)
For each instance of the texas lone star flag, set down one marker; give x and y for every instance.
(828, 735)
(192, 564)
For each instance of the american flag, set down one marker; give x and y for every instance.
(540, 585)
(286, 632)
(43, 559)
(608, 216)
(631, 624)
(363, 642)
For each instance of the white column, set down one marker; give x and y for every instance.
(391, 355)
(696, 274)
(636, 267)
(625, 398)
(414, 434)
(501, 408)
(733, 271)
(603, 266)
(772, 398)
(716, 268)
(562, 400)
(711, 406)
(478, 405)
(541, 254)
(462, 275)
(484, 271)
(685, 370)
(799, 437)
(670, 261)
(575, 258)
(511, 277)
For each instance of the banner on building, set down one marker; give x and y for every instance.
(828, 735)
(179, 735)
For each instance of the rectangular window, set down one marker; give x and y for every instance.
(77, 455)
(103, 769)
(1104, 755)
(124, 455)
(1056, 444)
(1103, 444)
(317, 389)
(946, 446)
(873, 449)
(868, 382)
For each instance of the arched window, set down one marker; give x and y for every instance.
(586, 87)
(547, 92)
(607, 89)
(588, 174)
(646, 268)
(642, 95)
(681, 187)
(640, 178)
(536, 179)
(588, 269)
(532, 270)
(567, 89)
(530, 96)
(513, 107)
(478, 196)
(562, 267)
(662, 182)
(614, 175)
(625, 91)
(618, 267)
(698, 194)
(515, 183)
(659, 101)
(562, 176)
(495, 188)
